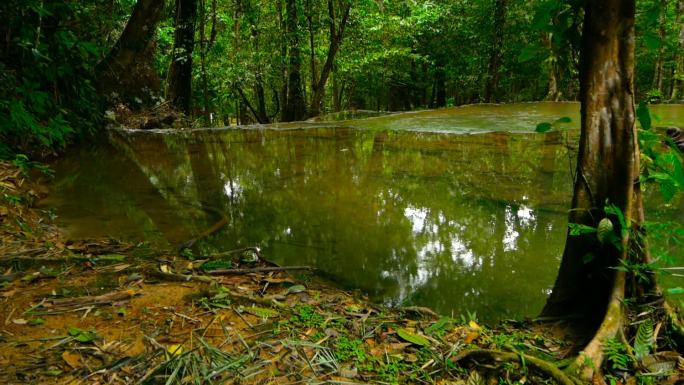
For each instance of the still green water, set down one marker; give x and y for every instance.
(454, 222)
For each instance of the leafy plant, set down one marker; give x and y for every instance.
(643, 342)
(616, 354)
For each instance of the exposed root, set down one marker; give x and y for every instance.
(535, 363)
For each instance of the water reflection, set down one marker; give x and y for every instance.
(457, 223)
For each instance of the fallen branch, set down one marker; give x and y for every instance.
(179, 277)
(420, 310)
(498, 356)
(103, 299)
(258, 270)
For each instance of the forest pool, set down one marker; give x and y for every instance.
(406, 208)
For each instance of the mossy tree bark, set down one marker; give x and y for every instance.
(295, 104)
(678, 83)
(607, 172)
(496, 53)
(336, 35)
(180, 75)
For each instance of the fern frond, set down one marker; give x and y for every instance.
(616, 353)
(643, 342)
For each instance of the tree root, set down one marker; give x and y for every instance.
(537, 364)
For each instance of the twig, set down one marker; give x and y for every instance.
(172, 310)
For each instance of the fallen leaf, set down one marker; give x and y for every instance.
(471, 336)
(72, 359)
(174, 349)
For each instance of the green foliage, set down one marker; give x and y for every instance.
(350, 349)
(644, 115)
(47, 96)
(616, 354)
(643, 342)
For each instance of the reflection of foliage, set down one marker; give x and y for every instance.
(311, 197)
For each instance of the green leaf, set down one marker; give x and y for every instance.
(543, 127)
(261, 312)
(110, 257)
(440, 325)
(604, 228)
(36, 321)
(413, 338)
(219, 264)
(578, 229)
(81, 335)
(675, 290)
(644, 339)
(644, 115)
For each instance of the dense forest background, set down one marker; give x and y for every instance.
(226, 62)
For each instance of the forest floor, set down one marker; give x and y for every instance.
(103, 311)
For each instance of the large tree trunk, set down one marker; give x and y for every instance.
(295, 107)
(128, 69)
(607, 171)
(336, 35)
(180, 75)
(678, 85)
(496, 53)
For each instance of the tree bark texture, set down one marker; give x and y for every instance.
(336, 36)
(658, 73)
(608, 159)
(295, 105)
(128, 69)
(495, 55)
(180, 75)
(678, 86)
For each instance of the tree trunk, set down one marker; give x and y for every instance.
(658, 75)
(180, 75)
(553, 94)
(337, 92)
(440, 85)
(607, 171)
(336, 35)
(496, 53)
(127, 68)
(678, 86)
(295, 107)
(312, 44)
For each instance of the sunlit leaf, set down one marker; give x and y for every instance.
(413, 338)
(261, 312)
